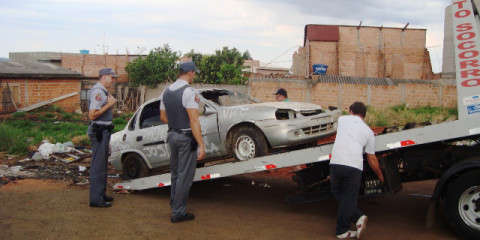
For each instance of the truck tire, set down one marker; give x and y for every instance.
(247, 143)
(462, 205)
(134, 167)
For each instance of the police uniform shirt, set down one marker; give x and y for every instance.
(353, 136)
(190, 97)
(98, 98)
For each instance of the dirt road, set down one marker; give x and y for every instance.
(229, 208)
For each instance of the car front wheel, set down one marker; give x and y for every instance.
(247, 143)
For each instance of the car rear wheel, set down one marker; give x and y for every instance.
(247, 143)
(134, 167)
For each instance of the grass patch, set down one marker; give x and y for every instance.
(67, 116)
(14, 134)
(30, 128)
(400, 115)
(18, 115)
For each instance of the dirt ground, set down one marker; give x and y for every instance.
(240, 207)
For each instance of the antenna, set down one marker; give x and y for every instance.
(140, 50)
(105, 47)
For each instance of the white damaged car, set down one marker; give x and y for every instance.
(233, 124)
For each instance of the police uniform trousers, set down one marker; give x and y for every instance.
(98, 168)
(182, 167)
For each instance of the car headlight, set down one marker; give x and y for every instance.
(285, 114)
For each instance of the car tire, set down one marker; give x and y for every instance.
(247, 143)
(462, 205)
(134, 167)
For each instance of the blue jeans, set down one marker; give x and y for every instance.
(345, 182)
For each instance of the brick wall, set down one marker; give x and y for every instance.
(343, 95)
(32, 91)
(90, 64)
(298, 62)
(150, 93)
(339, 95)
(370, 52)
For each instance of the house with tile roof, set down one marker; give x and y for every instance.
(26, 84)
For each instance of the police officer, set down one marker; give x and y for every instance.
(100, 113)
(179, 108)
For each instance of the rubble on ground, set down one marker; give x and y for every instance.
(51, 161)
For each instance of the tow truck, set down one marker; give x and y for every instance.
(416, 154)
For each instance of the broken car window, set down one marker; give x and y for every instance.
(150, 115)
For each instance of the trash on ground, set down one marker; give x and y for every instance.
(123, 191)
(82, 182)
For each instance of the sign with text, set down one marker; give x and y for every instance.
(467, 58)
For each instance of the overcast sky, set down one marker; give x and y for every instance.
(271, 30)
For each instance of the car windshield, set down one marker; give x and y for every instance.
(228, 98)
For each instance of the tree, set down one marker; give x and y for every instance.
(246, 56)
(225, 67)
(195, 56)
(157, 67)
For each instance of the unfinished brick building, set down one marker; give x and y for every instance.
(90, 64)
(364, 51)
(26, 84)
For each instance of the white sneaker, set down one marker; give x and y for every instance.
(361, 226)
(347, 234)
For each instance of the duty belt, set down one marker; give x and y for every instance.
(187, 133)
(98, 130)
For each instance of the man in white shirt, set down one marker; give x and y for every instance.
(346, 166)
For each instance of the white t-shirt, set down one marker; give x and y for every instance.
(353, 137)
(190, 98)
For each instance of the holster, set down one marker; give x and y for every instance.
(193, 144)
(193, 141)
(98, 130)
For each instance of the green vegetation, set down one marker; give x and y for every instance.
(160, 65)
(19, 114)
(14, 134)
(224, 67)
(157, 67)
(19, 132)
(67, 116)
(401, 114)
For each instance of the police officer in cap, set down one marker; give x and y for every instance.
(100, 113)
(179, 108)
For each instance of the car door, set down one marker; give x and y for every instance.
(210, 134)
(151, 135)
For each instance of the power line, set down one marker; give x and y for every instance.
(280, 55)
